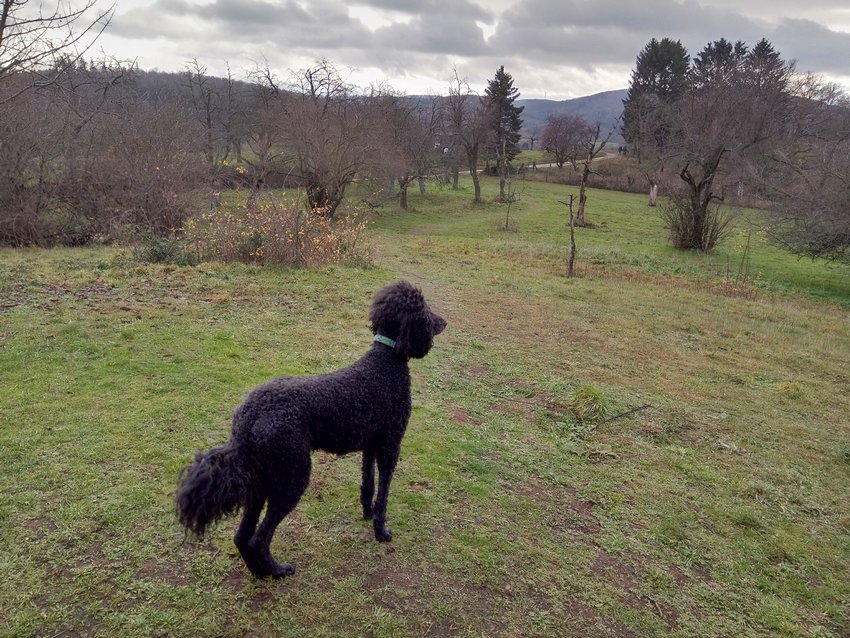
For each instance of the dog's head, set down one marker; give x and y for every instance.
(399, 311)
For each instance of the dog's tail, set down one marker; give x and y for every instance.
(215, 485)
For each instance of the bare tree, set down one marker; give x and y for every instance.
(264, 133)
(206, 103)
(32, 40)
(330, 134)
(594, 146)
(809, 177)
(565, 137)
(89, 153)
(452, 154)
(573, 140)
(410, 139)
(735, 112)
(467, 119)
(532, 135)
(217, 105)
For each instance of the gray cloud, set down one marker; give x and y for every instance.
(438, 32)
(458, 8)
(558, 47)
(815, 47)
(589, 34)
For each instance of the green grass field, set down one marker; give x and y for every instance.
(721, 510)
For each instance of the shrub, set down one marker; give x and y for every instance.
(164, 250)
(277, 232)
(693, 226)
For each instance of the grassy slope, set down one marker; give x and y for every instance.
(720, 511)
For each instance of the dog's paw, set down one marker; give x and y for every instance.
(282, 571)
(276, 570)
(383, 534)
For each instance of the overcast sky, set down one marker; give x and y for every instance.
(553, 48)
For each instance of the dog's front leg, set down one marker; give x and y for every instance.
(387, 459)
(367, 487)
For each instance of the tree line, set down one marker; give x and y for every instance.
(741, 117)
(95, 149)
(90, 149)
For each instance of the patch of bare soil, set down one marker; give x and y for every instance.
(412, 594)
(459, 415)
(152, 569)
(39, 527)
(626, 578)
(584, 621)
(478, 371)
(574, 514)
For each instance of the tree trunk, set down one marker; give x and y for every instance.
(695, 235)
(502, 165)
(402, 194)
(403, 184)
(653, 193)
(455, 178)
(572, 259)
(324, 200)
(582, 195)
(698, 214)
(476, 183)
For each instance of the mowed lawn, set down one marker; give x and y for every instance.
(719, 508)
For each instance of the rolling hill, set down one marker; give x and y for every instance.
(604, 108)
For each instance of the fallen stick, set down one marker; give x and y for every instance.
(645, 406)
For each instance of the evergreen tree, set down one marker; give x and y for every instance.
(765, 67)
(717, 63)
(660, 75)
(507, 122)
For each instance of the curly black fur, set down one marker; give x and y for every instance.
(364, 407)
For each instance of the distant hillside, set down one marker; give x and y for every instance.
(604, 108)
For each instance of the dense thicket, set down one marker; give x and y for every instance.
(90, 154)
(104, 148)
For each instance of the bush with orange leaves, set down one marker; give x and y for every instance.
(275, 232)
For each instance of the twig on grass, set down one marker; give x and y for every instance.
(657, 606)
(640, 408)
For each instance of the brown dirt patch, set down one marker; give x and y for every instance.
(39, 527)
(576, 515)
(626, 578)
(616, 571)
(152, 569)
(410, 593)
(459, 415)
(584, 620)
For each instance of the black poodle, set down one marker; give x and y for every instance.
(364, 407)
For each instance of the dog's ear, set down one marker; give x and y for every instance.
(415, 336)
(384, 313)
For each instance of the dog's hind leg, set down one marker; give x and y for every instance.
(367, 487)
(246, 530)
(287, 484)
(387, 459)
